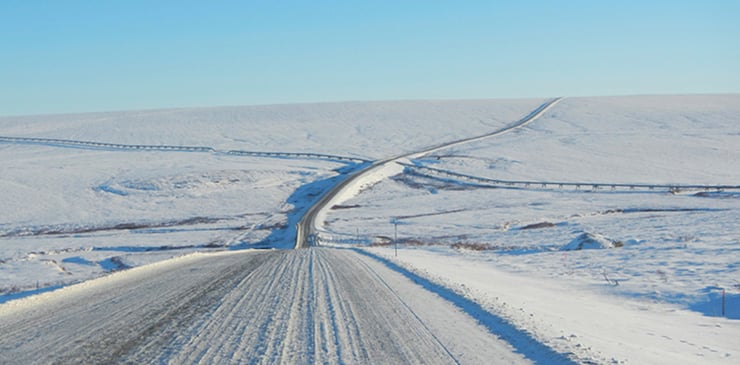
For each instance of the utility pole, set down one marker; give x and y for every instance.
(395, 236)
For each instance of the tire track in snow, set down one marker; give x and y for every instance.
(257, 307)
(318, 305)
(384, 283)
(105, 323)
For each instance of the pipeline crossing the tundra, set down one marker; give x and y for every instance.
(67, 143)
(523, 184)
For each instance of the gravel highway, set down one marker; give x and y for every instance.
(305, 306)
(315, 305)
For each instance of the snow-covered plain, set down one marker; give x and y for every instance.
(70, 214)
(678, 251)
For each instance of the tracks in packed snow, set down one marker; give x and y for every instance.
(317, 305)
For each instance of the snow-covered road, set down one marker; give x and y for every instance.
(149, 194)
(309, 227)
(317, 305)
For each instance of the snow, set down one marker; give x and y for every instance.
(374, 130)
(373, 176)
(653, 296)
(315, 305)
(670, 251)
(594, 323)
(589, 241)
(97, 203)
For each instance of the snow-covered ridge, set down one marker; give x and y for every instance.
(365, 179)
(639, 162)
(369, 130)
(120, 189)
(676, 252)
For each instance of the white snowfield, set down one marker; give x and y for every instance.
(309, 226)
(480, 276)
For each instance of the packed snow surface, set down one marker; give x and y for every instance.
(652, 292)
(315, 305)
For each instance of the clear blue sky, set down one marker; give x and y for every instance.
(76, 56)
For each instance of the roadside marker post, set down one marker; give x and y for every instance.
(395, 237)
(394, 221)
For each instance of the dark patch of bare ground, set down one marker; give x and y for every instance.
(539, 225)
(114, 263)
(499, 247)
(339, 206)
(430, 214)
(460, 244)
(75, 229)
(271, 227)
(413, 241)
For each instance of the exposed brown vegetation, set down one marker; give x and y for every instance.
(339, 206)
(471, 246)
(539, 225)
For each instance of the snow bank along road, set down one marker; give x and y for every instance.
(316, 305)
